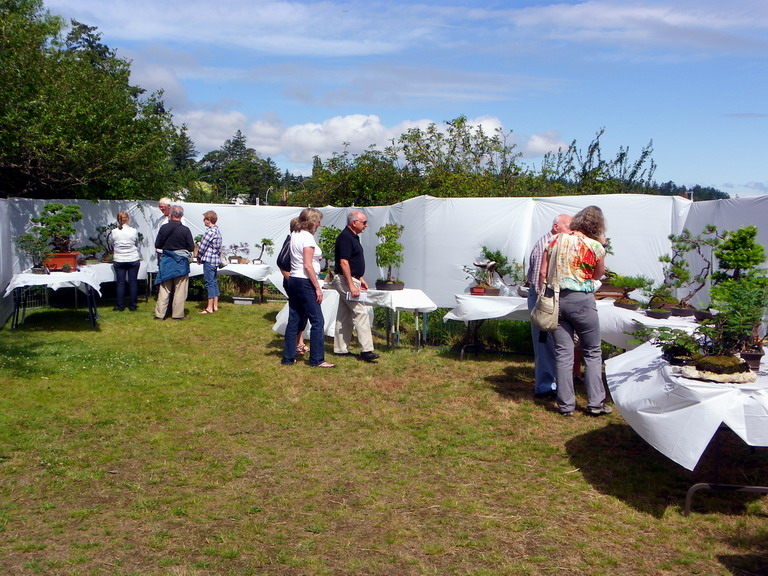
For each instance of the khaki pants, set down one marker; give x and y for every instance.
(350, 315)
(179, 287)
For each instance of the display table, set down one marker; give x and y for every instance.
(256, 272)
(105, 272)
(680, 416)
(615, 322)
(84, 279)
(394, 300)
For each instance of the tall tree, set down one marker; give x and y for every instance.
(71, 124)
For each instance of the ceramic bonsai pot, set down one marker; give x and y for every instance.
(55, 262)
(384, 285)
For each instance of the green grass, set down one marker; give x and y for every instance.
(185, 448)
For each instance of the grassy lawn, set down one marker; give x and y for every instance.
(185, 448)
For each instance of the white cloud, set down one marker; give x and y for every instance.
(540, 144)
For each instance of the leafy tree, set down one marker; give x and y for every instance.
(71, 124)
(234, 170)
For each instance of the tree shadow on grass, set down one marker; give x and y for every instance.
(55, 320)
(618, 462)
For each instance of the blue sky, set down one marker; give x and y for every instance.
(301, 78)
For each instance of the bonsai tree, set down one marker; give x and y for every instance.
(237, 251)
(101, 241)
(267, 245)
(494, 262)
(56, 225)
(327, 243)
(677, 346)
(389, 252)
(35, 246)
(628, 284)
(739, 292)
(678, 275)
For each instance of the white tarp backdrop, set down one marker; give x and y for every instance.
(441, 234)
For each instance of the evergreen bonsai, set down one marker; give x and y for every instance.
(678, 275)
(56, 225)
(327, 243)
(628, 284)
(739, 292)
(389, 252)
(267, 245)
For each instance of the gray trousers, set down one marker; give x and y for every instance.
(578, 313)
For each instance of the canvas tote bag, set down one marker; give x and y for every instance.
(547, 309)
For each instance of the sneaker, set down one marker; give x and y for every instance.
(551, 395)
(599, 411)
(369, 356)
(566, 413)
(343, 354)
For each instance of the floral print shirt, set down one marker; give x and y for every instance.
(576, 261)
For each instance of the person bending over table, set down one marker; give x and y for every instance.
(580, 261)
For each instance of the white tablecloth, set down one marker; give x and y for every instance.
(679, 416)
(257, 272)
(55, 280)
(406, 299)
(615, 322)
(105, 272)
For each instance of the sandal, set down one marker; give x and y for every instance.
(206, 312)
(324, 365)
(301, 349)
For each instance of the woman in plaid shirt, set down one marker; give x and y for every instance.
(208, 253)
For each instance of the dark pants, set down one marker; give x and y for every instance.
(302, 303)
(127, 271)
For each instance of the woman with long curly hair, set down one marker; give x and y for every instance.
(580, 261)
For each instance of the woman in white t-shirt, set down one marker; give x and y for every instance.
(305, 295)
(125, 245)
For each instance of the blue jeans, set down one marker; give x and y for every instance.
(578, 313)
(302, 303)
(129, 271)
(544, 354)
(210, 273)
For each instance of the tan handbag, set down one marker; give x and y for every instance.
(546, 312)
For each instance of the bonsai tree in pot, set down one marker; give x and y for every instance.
(327, 243)
(36, 247)
(389, 254)
(56, 227)
(678, 276)
(739, 293)
(267, 245)
(628, 284)
(238, 253)
(493, 262)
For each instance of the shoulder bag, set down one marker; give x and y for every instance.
(546, 312)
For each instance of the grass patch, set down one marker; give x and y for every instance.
(185, 448)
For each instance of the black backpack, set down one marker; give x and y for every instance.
(284, 256)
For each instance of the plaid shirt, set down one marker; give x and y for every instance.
(210, 246)
(534, 265)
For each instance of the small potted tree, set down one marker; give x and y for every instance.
(56, 226)
(238, 253)
(627, 285)
(36, 247)
(483, 272)
(678, 276)
(739, 293)
(327, 243)
(389, 254)
(267, 245)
